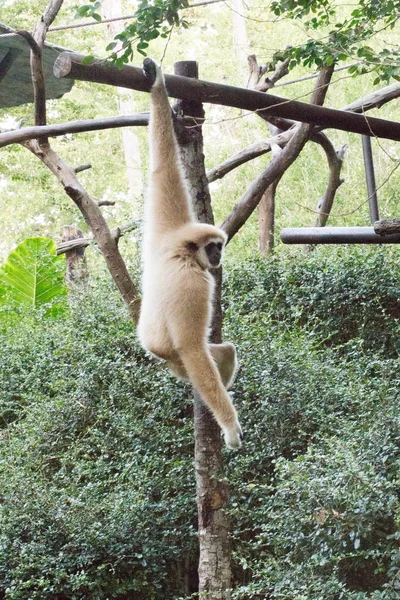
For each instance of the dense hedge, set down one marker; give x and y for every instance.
(96, 445)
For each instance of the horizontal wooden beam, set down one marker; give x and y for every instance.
(336, 235)
(69, 65)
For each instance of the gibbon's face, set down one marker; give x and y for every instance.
(209, 255)
(214, 253)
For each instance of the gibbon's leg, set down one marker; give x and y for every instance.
(205, 378)
(168, 198)
(226, 360)
(176, 367)
(224, 356)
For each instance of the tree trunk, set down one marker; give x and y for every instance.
(212, 490)
(77, 275)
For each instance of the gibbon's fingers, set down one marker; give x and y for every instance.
(150, 69)
(204, 376)
(225, 357)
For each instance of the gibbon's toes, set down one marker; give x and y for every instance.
(233, 436)
(150, 69)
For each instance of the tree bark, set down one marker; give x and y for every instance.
(387, 226)
(266, 208)
(212, 490)
(266, 219)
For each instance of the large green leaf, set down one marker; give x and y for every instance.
(33, 274)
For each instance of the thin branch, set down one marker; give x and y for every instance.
(92, 214)
(106, 240)
(27, 133)
(373, 100)
(81, 168)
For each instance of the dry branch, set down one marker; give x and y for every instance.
(277, 165)
(69, 65)
(27, 133)
(84, 242)
(374, 100)
(106, 241)
(335, 163)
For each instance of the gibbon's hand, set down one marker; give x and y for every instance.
(150, 69)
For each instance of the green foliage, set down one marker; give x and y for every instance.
(33, 275)
(152, 20)
(349, 38)
(315, 500)
(95, 475)
(96, 470)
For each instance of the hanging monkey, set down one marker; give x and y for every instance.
(178, 289)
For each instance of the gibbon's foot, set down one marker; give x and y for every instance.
(150, 69)
(233, 436)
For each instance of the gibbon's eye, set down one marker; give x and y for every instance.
(192, 246)
(213, 252)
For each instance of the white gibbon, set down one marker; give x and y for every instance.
(177, 287)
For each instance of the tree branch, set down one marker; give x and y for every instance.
(277, 165)
(27, 133)
(105, 239)
(70, 65)
(335, 163)
(84, 242)
(374, 100)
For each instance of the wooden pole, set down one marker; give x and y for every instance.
(211, 487)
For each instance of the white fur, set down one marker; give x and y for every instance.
(177, 286)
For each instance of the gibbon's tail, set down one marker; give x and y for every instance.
(166, 175)
(204, 376)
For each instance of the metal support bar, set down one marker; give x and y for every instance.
(336, 235)
(370, 178)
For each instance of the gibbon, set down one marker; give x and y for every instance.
(177, 287)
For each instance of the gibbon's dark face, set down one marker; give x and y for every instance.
(214, 253)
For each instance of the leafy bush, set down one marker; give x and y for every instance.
(338, 295)
(95, 454)
(315, 493)
(96, 477)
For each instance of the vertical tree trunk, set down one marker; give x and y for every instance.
(126, 106)
(77, 274)
(212, 490)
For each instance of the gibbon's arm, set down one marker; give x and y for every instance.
(169, 203)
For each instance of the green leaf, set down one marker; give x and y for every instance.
(87, 60)
(33, 274)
